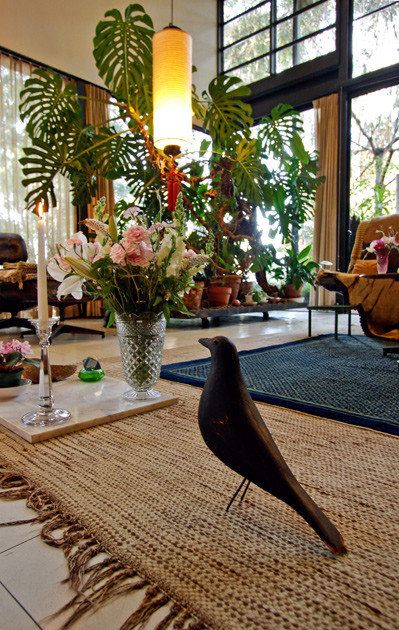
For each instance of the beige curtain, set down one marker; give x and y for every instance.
(13, 215)
(97, 114)
(326, 207)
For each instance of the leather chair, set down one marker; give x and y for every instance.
(12, 299)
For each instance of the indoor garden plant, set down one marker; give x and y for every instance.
(141, 273)
(296, 269)
(222, 184)
(14, 355)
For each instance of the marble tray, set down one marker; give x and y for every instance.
(89, 403)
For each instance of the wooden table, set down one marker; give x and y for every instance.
(215, 313)
(339, 309)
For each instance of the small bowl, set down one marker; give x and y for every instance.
(58, 372)
(6, 393)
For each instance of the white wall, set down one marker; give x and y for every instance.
(60, 32)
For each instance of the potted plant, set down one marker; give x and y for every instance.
(227, 265)
(14, 355)
(296, 269)
(193, 296)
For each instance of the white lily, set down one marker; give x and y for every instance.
(71, 285)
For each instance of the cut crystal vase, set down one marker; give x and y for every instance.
(141, 338)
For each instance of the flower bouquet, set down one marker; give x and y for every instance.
(382, 247)
(141, 272)
(14, 355)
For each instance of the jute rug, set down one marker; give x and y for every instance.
(147, 491)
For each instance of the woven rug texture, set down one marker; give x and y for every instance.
(151, 493)
(346, 379)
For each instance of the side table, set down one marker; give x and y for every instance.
(338, 309)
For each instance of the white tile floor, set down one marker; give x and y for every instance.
(31, 572)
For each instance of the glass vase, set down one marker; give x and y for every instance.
(141, 338)
(382, 262)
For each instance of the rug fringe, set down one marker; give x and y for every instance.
(94, 582)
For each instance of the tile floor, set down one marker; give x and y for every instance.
(31, 572)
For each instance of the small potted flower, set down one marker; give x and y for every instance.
(14, 355)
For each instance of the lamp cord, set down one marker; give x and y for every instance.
(171, 12)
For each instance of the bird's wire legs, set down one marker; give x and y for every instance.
(233, 498)
(245, 491)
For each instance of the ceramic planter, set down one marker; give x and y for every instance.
(192, 299)
(290, 291)
(11, 377)
(231, 280)
(219, 296)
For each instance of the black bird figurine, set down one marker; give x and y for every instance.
(235, 432)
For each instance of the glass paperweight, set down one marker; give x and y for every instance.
(91, 371)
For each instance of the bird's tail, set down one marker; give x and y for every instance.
(310, 511)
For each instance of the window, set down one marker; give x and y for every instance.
(374, 153)
(261, 39)
(375, 37)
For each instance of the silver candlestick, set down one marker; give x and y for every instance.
(45, 415)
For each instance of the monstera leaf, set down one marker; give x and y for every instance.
(248, 171)
(123, 52)
(114, 152)
(226, 112)
(280, 134)
(41, 163)
(48, 103)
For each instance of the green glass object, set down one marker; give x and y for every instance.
(91, 371)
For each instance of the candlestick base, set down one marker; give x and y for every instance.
(45, 415)
(39, 419)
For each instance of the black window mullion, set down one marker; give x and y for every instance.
(273, 36)
(245, 37)
(295, 31)
(239, 15)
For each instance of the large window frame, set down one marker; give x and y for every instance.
(304, 83)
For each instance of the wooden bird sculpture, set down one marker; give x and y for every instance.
(235, 432)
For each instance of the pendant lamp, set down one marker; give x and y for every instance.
(172, 78)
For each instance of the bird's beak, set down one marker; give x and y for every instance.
(206, 341)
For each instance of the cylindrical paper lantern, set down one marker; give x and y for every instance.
(172, 70)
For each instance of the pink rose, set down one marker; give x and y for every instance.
(379, 245)
(140, 255)
(135, 234)
(118, 254)
(189, 253)
(157, 227)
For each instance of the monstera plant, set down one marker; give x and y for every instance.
(272, 171)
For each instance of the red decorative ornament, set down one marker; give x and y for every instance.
(173, 180)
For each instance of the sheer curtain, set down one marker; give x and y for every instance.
(326, 207)
(13, 214)
(98, 113)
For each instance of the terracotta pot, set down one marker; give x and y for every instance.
(245, 288)
(10, 377)
(218, 295)
(231, 280)
(290, 291)
(192, 299)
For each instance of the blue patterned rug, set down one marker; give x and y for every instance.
(346, 379)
